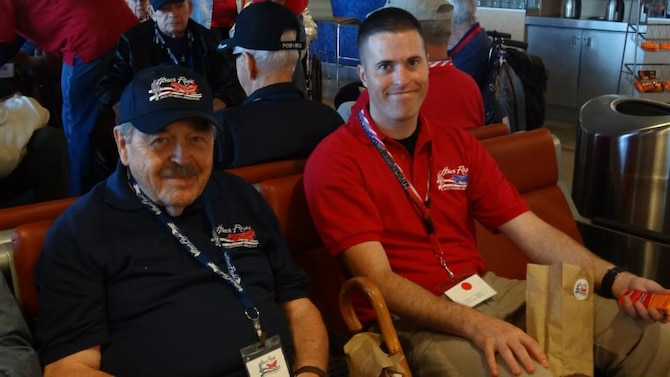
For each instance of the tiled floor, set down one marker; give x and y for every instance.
(567, 134)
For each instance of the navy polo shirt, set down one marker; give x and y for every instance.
(274, 123)
(111, 274)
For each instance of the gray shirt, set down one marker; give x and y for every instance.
(17, 356)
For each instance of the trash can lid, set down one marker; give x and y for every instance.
(615, 114)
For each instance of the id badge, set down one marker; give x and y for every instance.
(471, 291)
(265, 360)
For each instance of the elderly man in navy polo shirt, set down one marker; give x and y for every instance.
(169, 268)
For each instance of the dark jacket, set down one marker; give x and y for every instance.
(275, 123)
(138, 49)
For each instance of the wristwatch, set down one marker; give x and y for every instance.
(608, 280)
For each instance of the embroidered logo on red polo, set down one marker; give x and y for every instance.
(174, 87)
(453, 178)
(237, 236)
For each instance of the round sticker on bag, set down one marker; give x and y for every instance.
(581, 289)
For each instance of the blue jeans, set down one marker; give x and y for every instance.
(80, 112)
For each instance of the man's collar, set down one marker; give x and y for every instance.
(275, 91)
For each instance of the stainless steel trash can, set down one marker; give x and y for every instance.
(622, 182)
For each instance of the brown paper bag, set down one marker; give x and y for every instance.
(559, 315)
(365, 357)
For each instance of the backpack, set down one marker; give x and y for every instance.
(534, 76)
(508, 95)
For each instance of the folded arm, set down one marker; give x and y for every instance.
(410, 300)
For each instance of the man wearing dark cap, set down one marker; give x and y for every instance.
(168, 268)
(275, 122)
(170, 37)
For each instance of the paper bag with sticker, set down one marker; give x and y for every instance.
(559, 315)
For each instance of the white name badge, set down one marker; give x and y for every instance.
(266, 360)
(471, 291)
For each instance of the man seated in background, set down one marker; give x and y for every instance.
(170, 37)
(17, 356)
(275, 122)
(469, 44)
(169, 268)
(395, 195)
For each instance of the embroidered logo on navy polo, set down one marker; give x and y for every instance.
(174, 87)
(453, 178)
(237, 236)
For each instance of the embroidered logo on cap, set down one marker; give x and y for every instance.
(170, 87)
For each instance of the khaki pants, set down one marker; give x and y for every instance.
(623, 346)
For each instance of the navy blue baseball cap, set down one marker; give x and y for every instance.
(157, 4)
(260, 26)
(161, 95)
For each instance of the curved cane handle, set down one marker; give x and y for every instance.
(374, 296)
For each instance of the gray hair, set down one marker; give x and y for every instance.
(436, 32)
(274, 60)
(464, 12)
(126, 129)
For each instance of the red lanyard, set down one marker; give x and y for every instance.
(422, 205)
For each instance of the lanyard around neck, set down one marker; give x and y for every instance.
(173, 57)
(422, 205)
(230, 275)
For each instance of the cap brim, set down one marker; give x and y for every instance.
(156, 121)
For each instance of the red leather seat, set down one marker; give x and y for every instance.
(27, 240)
(274, 169)
(528, 160)
(490, 130)
(14, 216)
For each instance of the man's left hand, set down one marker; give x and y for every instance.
(637, 309)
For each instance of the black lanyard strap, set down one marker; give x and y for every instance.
(230, 275)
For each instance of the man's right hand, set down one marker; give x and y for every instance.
(518, 349)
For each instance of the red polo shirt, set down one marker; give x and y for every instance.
(453, 96)
(86, 29)
(354, 197)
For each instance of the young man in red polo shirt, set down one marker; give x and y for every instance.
(395, 196)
